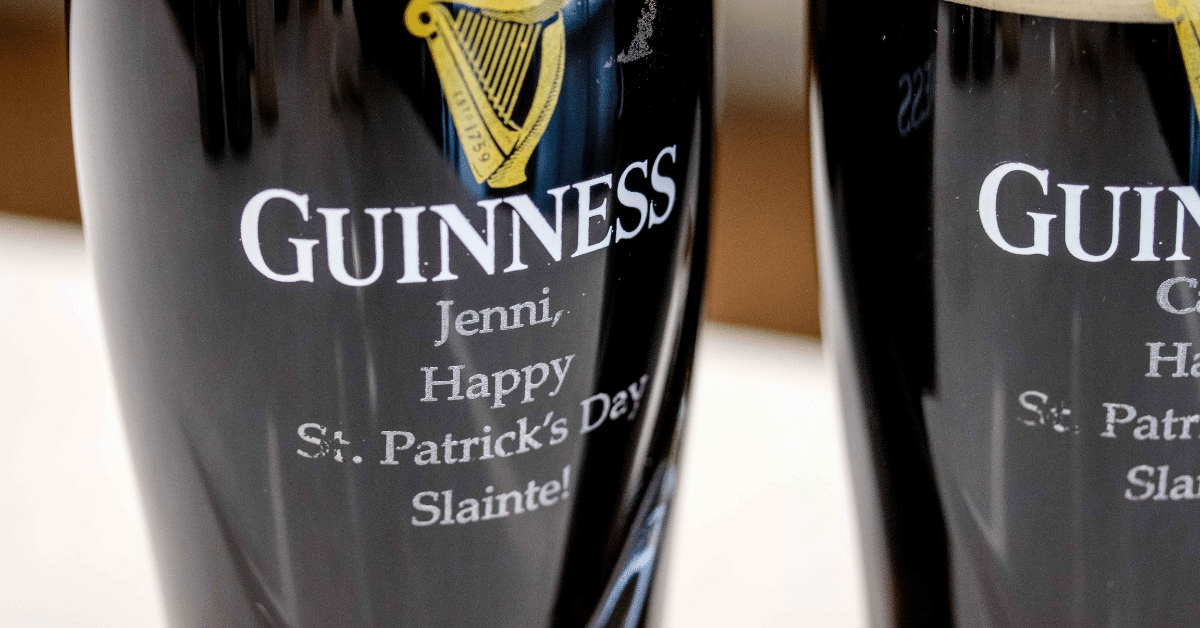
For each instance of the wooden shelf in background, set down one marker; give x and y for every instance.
(37, 165)
(762, 264)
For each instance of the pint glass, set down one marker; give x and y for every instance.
(1006, 192)
(401, 297)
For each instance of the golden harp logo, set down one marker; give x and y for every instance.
(483, 51)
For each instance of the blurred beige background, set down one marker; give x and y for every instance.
(763, 261)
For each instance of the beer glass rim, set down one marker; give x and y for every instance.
(1141, 11)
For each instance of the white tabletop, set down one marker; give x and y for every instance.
(762, 532)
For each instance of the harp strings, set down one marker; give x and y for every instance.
(500, 53)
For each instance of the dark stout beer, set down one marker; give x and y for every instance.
(1010, 225)
(401, 297)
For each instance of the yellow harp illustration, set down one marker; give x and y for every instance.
(483, 51)
(1186, 16)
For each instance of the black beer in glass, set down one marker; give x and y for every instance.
(1009, 221)
(401, 297)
